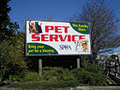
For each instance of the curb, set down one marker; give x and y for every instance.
(70, 88)
(97, 88)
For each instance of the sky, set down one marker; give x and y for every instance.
(43, 9)
(59, 10)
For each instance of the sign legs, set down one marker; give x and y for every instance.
(40, 66)
(78, 62)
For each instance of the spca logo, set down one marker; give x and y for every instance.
(65, 47)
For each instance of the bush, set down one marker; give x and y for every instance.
(50, 74)
(12, 63)
(0, 78)
(91, 78)
(32, 76)
(99, 78)
(37, 84)
(82, 75)
(85, 76)
(57, 74)
(14, 78)
(94, 68)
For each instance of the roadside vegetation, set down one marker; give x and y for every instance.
(59, 77)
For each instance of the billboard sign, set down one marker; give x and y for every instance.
(57, 38)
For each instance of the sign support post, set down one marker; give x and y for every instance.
(40, 66)
(78, 62)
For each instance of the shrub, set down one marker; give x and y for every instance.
(32, 76)
(37, 84)
(90, 78)
(80, 74)
(86, 76)
(11, 60)
(98, 74)
(14, 78)
(94, 68)
(0, 78)
(57, 74)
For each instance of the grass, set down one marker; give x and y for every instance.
(45, 84)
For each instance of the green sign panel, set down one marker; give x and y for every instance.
(81, 27)
(39, 48)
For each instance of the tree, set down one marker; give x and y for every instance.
(12, 61)
(4, 10)
(4, 18)
(7, 28)
(104, 33)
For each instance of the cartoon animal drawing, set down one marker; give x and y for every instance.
(35, 27)
(82, 46)
(85, 46)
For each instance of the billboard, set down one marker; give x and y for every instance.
(57, 38)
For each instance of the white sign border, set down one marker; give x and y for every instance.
(56, 54)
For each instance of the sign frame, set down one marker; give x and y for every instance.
(57, 54)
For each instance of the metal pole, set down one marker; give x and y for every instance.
(40, 66)
(78, 62)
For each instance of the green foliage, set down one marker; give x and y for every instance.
(91, 75)
(38, 84)
(57, 74)
(50, 74)
(14, 78)
(7, 28)
(0, 78)
(118, 72)
(4, 10)
(32, 76)
(94, 68)
(12, 62)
